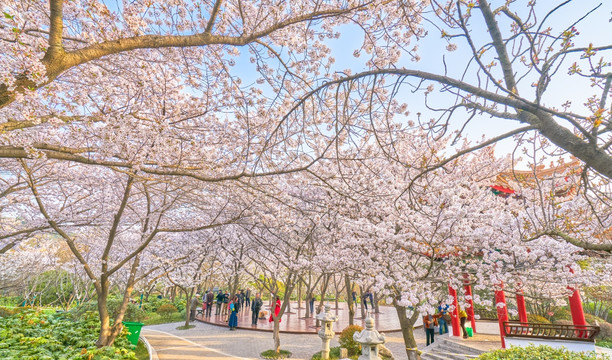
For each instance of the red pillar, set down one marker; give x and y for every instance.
(522, 310)
(576, 308)
(455, 313)
(470, 309)
(502, 312)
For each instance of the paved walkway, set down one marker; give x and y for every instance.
(212, 342)
(296, 321)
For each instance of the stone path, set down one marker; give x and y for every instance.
(296, 321)
(207, 341)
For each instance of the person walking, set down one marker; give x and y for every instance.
(443, 318)
(371, 297)
(241, 297)
(312, 301)
(219, 302)
(256, 308)
(225, 307)
(364, 301)
(209, 299)
(248, 298)
(234, 307)
(429, 323)
(462, 318)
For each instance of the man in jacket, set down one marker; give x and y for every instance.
(256, 307)
(219, 302)
(209, 299)
(193, 306)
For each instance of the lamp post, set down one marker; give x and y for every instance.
(370, 340)
(327, 330)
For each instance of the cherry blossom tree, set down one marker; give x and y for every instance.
(124, 214)
(512, 75)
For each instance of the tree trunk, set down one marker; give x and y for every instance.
(276, 335)
(323, 291)
(376, 307)
(407, 326)
(188, 296)
(299, 295)
(363, 313)
(349, 299)
(105, 330)
(308, 297)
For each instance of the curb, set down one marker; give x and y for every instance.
(152, 352)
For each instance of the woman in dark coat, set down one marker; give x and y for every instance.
(233, 308)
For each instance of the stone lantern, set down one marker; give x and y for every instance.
(327, 330)
(370, 339)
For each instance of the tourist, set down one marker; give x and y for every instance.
(219, 301)
(248, 298)
(209, 298)
(193, 306)
(257, 304)
(275, 310)
(234, 307)
(462, 317)
(364, 300)
(429, 323)
(371, 297)
(443, 318)
(225, 303)
(241, 297)
(312, 301)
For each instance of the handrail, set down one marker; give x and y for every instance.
(551, 331)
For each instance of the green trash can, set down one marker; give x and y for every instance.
(133, 331)
(470, 332)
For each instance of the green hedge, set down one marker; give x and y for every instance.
(542, 352)
(33, 335)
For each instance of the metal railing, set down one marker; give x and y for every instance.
(491, 315)
(551, 331)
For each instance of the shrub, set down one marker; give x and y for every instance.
(180, 304)
(154, 303)
(563, 322)
(604, 343)
(166, 311)
(346, 339)
(537, 319)
(561, 314)
(6, 312)
(542, 352)
(605, 328)
(605, 331)
(132, 313)
(37, 335)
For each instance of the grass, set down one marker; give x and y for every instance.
(155, 319)
(271, 354)
(185, 327)
(141, 351)
(334, 354)
(607, 343)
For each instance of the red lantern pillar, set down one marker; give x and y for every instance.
(576, 306)
(502, 311)
(470, 309)
(455, 313)
(522, 310)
